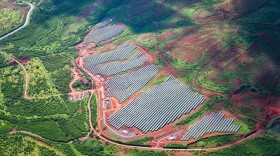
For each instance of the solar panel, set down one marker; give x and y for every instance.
(215, 122)
(158, 106)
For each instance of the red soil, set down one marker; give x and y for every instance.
(146, 36)
(192, 47)
(185, 153)
(239, 6)
(170, 69)
(145, 52)
(165, 35)
(269, 106)
(11, 5)
(21, 60)
(80, 110)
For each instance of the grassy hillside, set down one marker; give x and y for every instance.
(226, 46)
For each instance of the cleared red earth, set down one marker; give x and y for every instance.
(257, 106)
(11, 5)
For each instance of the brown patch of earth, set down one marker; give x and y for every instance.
(80, 110)
(259, 106)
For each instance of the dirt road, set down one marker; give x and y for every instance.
(25, 95)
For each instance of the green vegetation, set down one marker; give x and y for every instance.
(208, 106)
(80, 85)
(251, 124)
(160, 80)
(244, 127)
(61, 79)
(3, 60)
(57, 26)
(181, 64)
(20, 145)
(177, 146)
(54, 62)
(267, 14)
(273, 127)
(58, 69)
(5, 126)
(142, 141)
(37, 115)
(135, 152)
(10, 19)
(94, 109)
(39, 80)
(214, 141)
(257, 146)
(159, 62)
(245, 123)
(93, 147)
(213, 86)
(11, 83)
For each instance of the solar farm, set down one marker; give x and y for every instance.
(215, 122)
(120, 53)
(104, 31)
(114, 62)
(132, 103)
(161, 105)
(116, 67)
(157, 78)
(123, 86)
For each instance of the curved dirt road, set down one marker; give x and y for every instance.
(27, 20)
(25, 95)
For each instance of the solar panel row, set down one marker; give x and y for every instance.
(160, 105)
(105, 31)
(120, 53)
(215, 122)
(123, 86)
(112, 68)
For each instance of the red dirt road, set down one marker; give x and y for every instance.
(25, 95)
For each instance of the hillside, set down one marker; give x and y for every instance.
(57, 99)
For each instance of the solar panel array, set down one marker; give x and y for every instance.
(112, 68)
(118, 54)
(215, 122)
(104, 31)
(160, 105)
(123, 86)
(103, 23)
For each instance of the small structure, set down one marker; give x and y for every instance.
(102, 79)
(172, 137)
(125, 132)
(107, 104)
